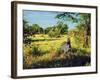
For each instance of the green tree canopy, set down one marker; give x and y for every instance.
(83, 21)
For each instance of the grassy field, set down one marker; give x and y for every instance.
(44, 52)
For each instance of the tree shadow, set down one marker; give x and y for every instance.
(73, 61)
(29, 40)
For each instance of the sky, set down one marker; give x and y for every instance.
(43, 18)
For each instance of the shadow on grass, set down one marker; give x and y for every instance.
(73, 61)
(28, 41)
(51, 39)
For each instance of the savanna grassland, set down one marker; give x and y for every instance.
(42, 46)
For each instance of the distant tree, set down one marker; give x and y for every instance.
(26, 32)
(41, 30)
(51, 33)
(57, 30)
(62, 28)
(48, 29)
(25, 28)
(36, 29)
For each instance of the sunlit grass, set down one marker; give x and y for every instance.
(48, 49)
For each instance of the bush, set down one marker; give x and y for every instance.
(54, 34)
(35, 51)
(27, 40)
(51, 34)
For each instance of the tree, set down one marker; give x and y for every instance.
(57, 30)
(48, 29)
(26, 32)
(25, 28)
(51, 33)
(35, 29)
(80, 18)
(62, 28)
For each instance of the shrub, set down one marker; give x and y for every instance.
(35, 51)
(27, 40)
(54, 33)
(51, 34)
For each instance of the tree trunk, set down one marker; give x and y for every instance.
(86, 38)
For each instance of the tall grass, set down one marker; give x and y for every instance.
(45, 49)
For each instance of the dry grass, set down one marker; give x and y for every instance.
(47, 50)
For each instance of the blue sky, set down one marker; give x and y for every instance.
(43, 18)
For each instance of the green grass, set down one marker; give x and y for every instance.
(48, 43)
(45, 49)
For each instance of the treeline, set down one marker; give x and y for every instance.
(80, 34)
(52, 31)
